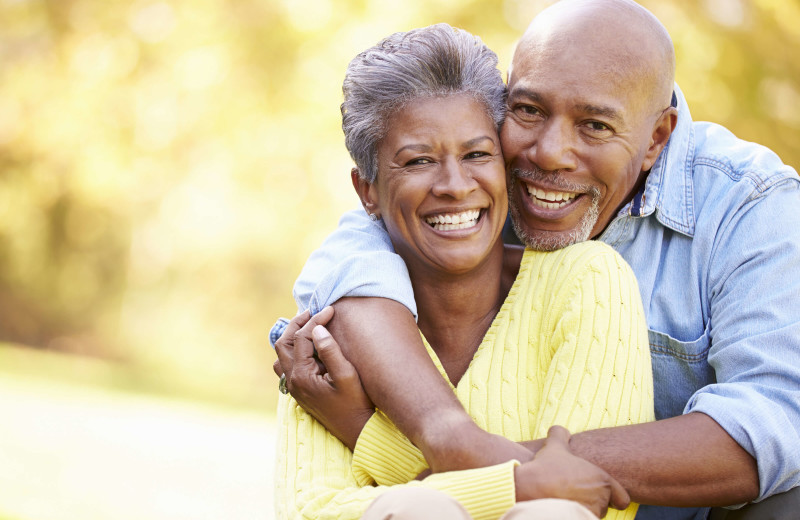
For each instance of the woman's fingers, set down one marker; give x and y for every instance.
(305, 366)
(339, 368)
(295, 344)
(558, 436)
(304, 347)
(323, 316)
(620, 499)
(284, 347)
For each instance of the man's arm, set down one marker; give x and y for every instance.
(737, 439)
(683, 461)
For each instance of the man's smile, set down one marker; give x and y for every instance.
(549, 199)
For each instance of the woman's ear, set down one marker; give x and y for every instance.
(368, 194)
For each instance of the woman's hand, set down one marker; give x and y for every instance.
(555, 472)
(326, 385)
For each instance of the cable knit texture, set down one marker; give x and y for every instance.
(569, 346)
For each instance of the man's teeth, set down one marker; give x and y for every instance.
(450, 221)
(550, 199)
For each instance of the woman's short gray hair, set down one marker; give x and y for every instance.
(438, 60)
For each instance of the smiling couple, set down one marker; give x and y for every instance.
(532, 389)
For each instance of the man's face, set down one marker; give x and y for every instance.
(574, 140)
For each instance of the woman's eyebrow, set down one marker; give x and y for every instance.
(476, 141)
(414, 147)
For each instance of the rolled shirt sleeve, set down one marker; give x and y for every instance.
(356, 260)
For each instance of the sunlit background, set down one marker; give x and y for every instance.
(166, 167)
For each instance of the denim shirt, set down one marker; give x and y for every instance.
(714, 240)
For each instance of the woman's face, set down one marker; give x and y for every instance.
(441, 187)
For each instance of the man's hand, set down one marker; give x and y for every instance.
(555, 472)
(326, 386)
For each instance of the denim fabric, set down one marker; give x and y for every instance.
(355, 260)
(714, 240)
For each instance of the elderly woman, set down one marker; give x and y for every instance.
(526, 339)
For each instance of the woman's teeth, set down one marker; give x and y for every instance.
(550, 199)
(450, 221)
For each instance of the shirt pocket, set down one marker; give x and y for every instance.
(680, 368)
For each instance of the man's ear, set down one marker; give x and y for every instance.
(367, 192)
(662, 129)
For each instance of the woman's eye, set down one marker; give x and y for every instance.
(418, 161)
(476, 155)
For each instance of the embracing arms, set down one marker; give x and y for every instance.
(383, 455)
(687, 460)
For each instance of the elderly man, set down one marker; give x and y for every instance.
(599, 144)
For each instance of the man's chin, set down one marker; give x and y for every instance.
(545, 240)
(548, 240)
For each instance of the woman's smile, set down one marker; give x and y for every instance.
(463, 220)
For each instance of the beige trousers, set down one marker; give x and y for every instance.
(425, 503)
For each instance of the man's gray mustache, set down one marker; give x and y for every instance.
(555, 179)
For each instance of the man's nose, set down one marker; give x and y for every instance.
(553, 147)
(454, 180)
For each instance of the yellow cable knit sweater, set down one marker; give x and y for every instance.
(569, 346)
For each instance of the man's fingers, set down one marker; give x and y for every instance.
(276, 367)
(620, 499)
(330, 354)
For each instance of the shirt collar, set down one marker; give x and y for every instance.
(669, 191)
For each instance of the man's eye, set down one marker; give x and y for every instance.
(597, 126)
(528, 110)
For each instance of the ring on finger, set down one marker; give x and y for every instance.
(282, 385)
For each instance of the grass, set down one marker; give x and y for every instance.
(82, 371)
(92, 440)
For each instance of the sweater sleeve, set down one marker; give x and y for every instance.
(314, 478)
(384, 455)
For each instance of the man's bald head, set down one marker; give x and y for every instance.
(630, 44)
(589, 97)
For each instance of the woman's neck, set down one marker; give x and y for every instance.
(455, 311)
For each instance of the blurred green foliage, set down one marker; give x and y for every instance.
(166, 166)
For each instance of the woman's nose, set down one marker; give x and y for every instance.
(453, 180)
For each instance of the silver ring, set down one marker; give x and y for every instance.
(282, 385)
